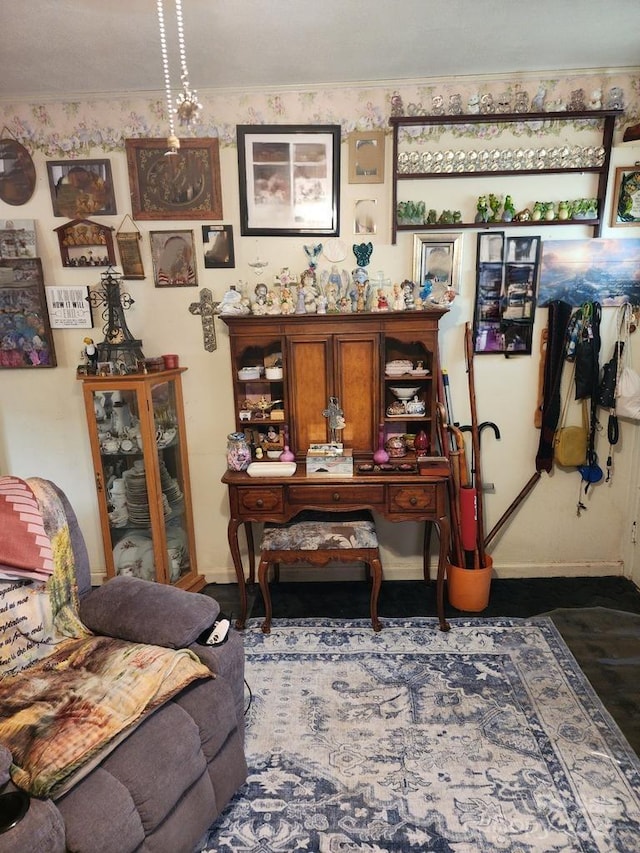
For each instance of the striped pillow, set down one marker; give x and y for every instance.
(25, 547)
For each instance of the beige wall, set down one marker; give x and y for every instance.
(42, 426)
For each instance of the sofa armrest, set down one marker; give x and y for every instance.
(147, 612)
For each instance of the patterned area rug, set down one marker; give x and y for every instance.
(486, 738)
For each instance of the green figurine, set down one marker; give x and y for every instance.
(482, 211)
(509, 210)
(432, 217)
(495, 204)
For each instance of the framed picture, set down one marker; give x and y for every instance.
(218, 242)
(17, 173)
(289, 180)
(25, 331)
(506, 285)
(181, 185)
(173, 255)
(364, 220)
(81, 188)
(366, 157)
(436, 263)
(626, 197)
(18, 238)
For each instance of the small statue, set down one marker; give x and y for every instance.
(363, 252)
(335, 417)
(487, 105)
(473, 104)
(91, 354)
(495, 203)
(537, 102)
(312, 253)
(432, 217)
(482, 209)
(509, 210)
(437, 105)
(407, 295)
(504, 103)
(259, 306)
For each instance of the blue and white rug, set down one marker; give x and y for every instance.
(486, 738)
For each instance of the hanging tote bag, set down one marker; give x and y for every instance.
(628, 385)
(570, 442)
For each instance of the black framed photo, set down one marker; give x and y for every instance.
(218, 246)
(81, 188)
(289, 180)
(506, 293)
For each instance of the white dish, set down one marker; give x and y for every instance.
(403, 393)
(248, 373)
(271, 469)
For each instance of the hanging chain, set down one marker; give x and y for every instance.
(187, 102)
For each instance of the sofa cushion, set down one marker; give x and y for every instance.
(145, 612)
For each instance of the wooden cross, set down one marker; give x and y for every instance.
(206, 309)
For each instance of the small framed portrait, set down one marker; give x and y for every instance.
(626, 197)
(436, 263)
(366, 157)
(81, 188)
(365, 217)
(173, 256)
(289, 180)
(218, 246)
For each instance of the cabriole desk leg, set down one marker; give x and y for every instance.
(232, 535)
(444, 532)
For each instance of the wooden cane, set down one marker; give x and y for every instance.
(476, 468)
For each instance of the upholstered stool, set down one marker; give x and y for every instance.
(318, 538)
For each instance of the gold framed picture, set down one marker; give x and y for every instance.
(184, 184)
(366, 157)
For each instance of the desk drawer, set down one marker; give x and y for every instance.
(418, 499)
(336, 495)
(257, 500)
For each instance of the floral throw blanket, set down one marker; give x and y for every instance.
(59, 712)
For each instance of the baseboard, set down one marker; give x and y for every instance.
(401, 573)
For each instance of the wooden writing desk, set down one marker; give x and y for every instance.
(398, 497)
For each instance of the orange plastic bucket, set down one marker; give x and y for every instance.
(468, 589)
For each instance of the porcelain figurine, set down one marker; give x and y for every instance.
(363, 252)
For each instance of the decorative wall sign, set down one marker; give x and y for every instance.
(289, 180)
(84, 243)
(129, 250)
(626, 197)
(506, 283)
(25, 330)
(366, 157)
(173, 255)
(81, 188)
(69, 307)
(180, 185)
(17, 173)
(218, 241)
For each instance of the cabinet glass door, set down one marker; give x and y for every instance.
(143, 481)
(167, 449)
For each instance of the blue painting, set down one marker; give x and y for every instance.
(601, 270)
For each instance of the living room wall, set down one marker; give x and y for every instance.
(42, 422)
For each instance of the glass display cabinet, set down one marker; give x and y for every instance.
(139, 450)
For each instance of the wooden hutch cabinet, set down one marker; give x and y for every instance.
(138, 444)
(334, 355)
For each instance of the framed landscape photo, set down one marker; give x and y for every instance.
(184, 184)
(289, 180)
(81, 188)
(366, 157)
(173, 255)
(25, 330)
(626, 197)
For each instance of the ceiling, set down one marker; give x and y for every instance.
(50, 50)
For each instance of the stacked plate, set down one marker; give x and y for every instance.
(398, 367)
(170, 488)
(135, 487)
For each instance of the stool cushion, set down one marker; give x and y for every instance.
(321, 531)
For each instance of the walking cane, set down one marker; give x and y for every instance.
(476, 468)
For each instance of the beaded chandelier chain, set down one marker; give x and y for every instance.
(187, 102)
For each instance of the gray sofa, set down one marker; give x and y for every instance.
(167, 781)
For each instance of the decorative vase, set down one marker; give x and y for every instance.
(287, 455)
(380, 457)
(421, 442)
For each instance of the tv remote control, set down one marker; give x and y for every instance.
(219, 633)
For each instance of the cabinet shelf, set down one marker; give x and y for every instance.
(604, 119)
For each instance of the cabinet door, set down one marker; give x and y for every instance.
(310, 372)
(357, 385)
